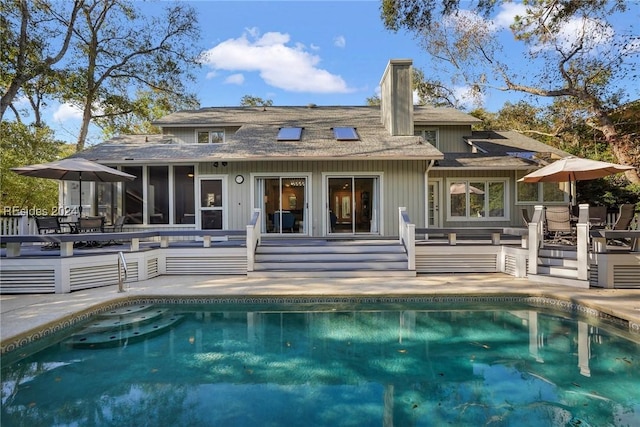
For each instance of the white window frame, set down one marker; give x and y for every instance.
(422, 132)
(540, 200)
(210, 133)
(486, 180)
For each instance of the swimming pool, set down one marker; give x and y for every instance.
(328, 364)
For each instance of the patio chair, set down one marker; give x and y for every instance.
(116, 227)
(558, 223)
(597, 216)
(623, 222)
(49, 225)
(625, 216)
(90, 225)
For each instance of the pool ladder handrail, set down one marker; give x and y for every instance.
(122, 266)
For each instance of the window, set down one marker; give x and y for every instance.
(184, 200)
(207, 136)
(474, 199)
(345, 134)
(289, 134)
(133, 197)
(430, 135)
(158, 195)
(540, 192)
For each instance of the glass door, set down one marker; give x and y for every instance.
(352, 204)
(284, 203)
(433, 203)
(211, 204)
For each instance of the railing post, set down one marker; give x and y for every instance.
(536, 238)
(411, 246)
(23, 226)
(254, 233)
(407, 236)
(582, 242)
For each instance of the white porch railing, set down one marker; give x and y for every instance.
(407, 236)
(254, 233)
(13, 225)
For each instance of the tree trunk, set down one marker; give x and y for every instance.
(623, 147)
(84, 128)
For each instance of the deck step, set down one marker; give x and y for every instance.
(556, 261)
(558, 271)
(317, 258)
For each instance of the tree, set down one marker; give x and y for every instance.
(145, 107)
(427, 92)
(22, 145)
(35, 36)
(119, 50)
(584, 67)
(255, 101)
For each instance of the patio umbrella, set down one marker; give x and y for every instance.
(74, 169)
(461, 188)
(574, 169)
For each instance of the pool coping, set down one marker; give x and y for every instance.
(49, 314)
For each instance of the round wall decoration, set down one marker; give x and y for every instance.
(239, 179)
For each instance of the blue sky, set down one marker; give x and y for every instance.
(300, 52)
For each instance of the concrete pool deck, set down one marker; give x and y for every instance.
(22, 314)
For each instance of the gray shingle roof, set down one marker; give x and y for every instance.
(306, 116)
(256, 136)
(503, 142)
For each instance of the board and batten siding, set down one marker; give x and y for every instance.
(402, 184)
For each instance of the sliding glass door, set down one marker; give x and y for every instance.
(284, 201)
(352, 205)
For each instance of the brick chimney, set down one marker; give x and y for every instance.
(396, 98)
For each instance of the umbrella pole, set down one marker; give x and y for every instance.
(80, 185)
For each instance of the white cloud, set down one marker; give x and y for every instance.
(507, 14)
(279, 64)
(467, 98)
(235, 79)
(211, 74)
(340, 41)
(66, 112)
(591, 34)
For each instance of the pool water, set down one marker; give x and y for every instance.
(327, 366)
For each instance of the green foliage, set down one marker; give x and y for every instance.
(134, 116)
(22, 145)
(373, 101)
(255, 101)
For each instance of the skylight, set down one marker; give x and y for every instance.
(289, 134)
(346, 134)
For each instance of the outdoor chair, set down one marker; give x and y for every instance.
(49, 225)
(116, 227)
(558, 223)
(90, 225)
(625, 217)
(597, 216)
(623, 222)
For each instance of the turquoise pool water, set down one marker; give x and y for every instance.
(323, 365)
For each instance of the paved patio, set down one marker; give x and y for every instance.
(21, 314)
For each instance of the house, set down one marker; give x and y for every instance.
(321, 171)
